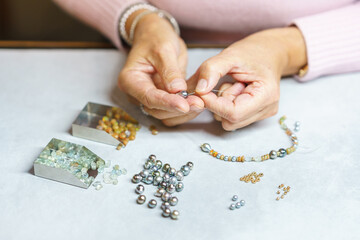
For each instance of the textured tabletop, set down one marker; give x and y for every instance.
(42, 92)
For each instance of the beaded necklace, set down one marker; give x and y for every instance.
(272, 155)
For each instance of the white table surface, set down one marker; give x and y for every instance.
(42, 92)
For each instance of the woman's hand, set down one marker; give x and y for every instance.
(156, 69)
(256, 64)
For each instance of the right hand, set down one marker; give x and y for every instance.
(156, 69)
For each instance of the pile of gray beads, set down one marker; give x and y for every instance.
(168, 181)
(236, 205)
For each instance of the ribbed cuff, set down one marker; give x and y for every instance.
(332, 41)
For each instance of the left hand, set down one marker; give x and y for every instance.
(256, 64)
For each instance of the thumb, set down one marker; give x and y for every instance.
(210, 72)
(170, 73)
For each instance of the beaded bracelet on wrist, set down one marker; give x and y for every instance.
(282, 152)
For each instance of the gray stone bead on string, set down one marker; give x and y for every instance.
(205, 147)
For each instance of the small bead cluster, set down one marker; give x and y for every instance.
(272, 155)
(252, 177)
(167, 179)
(120, 125)
(110, 177)
(238, 204)
(153, 130)
(285, 191)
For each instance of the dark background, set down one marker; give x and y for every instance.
(41, 20)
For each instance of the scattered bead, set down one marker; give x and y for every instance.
(141, 199)
(179, 186)
(238, 205)
(165, 205)
(139, 189)
(152, 203)
(242, 202)
(173, 201)
(235, 198)
(166, 212)
(97, 185)
(253, 177)
(159, 192)
(175, 215)
(190, 165)
(166, 196)
(232, 206)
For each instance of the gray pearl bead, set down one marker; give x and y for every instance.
(136, 178)
(166, 196)
(179, 176)
(226, 158)
(139, 189)
(179, 186)
(163, 185)
(232, 206)
(144, 173)
(148, 165)
(238, 205)
(152, 157)
(205, 147)
(170, 188)
(152, 203)
(172, 171)
(242, 202)
(173, 201)
(154, 169)
(155, 174)
(235, 198)
(282, 152)
(173, 180)
(166, 177)
(190, 165)
(166, 212)
(273, 154)
(141, 199)
(218, 155)
(158, 164)
(183, 94)
(175, 214)
(165, 205)
(166, 167)
(296, 129)
(297, 124)
(233, 159)
(159, 192)
(157, 180)
(149, 180)
(185, 170)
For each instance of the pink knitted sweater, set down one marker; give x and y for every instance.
(331, 28)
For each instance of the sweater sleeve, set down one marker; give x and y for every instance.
(102, 15)
(332, 41)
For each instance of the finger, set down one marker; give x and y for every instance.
(268, 112)
(141, 86)
(210, 73)
(196, 103)
(217, 118)
(232, 91)
(167, 65)
(230, 126)
(162, 114)
(221, 106)
(180, 120)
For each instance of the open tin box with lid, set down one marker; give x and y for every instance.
(105, 124)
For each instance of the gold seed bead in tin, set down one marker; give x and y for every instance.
(282, 152)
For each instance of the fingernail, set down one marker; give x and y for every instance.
(177, 84)
(195, 108)
(201, 86)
